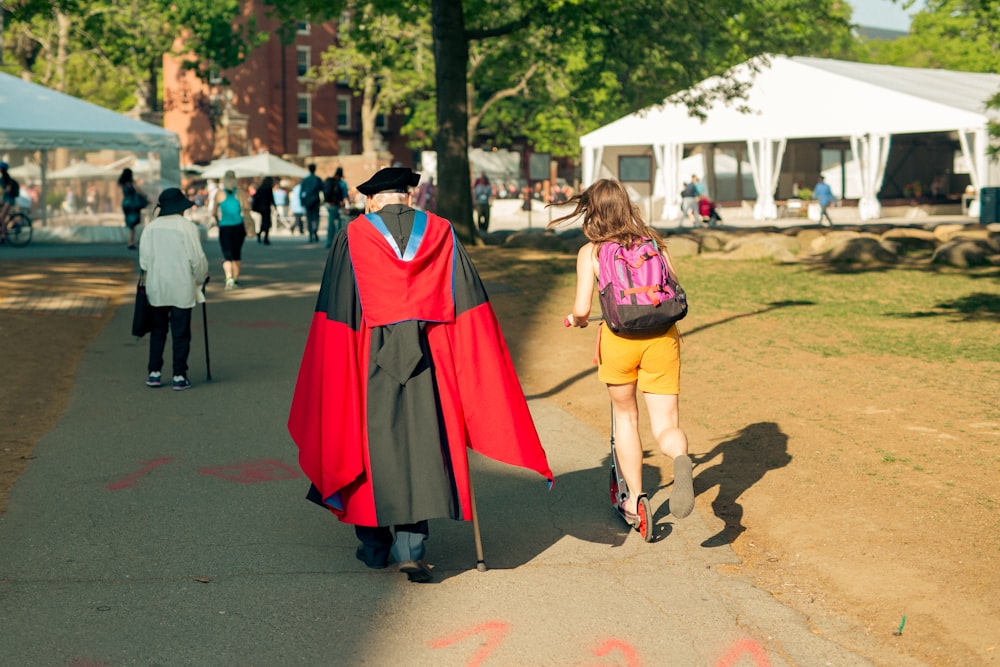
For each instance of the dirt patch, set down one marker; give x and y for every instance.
(50, 311)
(857, 490)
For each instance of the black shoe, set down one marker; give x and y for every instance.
(416, 571)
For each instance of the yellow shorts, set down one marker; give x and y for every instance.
(654, 362)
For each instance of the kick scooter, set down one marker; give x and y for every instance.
(643, 519)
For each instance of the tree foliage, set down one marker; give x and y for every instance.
(962, 35)
(550, 70)
(110, 51)
(389, 60)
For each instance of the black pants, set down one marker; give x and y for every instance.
(377, 542)
(312, 222)
(179, 322)
(483, 217)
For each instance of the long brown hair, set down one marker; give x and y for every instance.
(608, 215)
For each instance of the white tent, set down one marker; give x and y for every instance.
(84, 171)
(34, 117)
(802, 98)
(254, 166)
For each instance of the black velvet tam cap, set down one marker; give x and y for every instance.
(390, 179)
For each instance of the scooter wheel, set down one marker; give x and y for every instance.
(645, 526)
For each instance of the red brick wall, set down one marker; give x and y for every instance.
(266, 88)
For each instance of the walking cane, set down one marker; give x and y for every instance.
(480, 561)
(204, 322)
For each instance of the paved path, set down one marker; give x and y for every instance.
(170, 528)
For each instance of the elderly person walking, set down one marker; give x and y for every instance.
(174, 264)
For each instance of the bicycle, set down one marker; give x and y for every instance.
(17, 228)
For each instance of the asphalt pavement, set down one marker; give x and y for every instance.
(157, 527)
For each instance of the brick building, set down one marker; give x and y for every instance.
(267, 106)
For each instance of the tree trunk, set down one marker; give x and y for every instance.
(62, 50)
(369, 147)
(152, 99)
(451, 56)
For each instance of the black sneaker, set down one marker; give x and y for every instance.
(181, 383)
(154, 380)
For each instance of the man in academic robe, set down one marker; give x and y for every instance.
(405, 369)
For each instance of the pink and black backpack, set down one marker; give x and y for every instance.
(638, 295)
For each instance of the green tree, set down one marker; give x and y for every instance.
(961, 35)
(113, 49)
(390, 61)
(501, 64)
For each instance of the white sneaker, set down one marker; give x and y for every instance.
(230, 284)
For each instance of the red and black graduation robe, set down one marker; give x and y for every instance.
(405, 367)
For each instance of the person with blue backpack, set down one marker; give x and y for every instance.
(639, 345)
(231, 214)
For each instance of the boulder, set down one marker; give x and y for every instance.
(983, 236)
(861, 250)
(961, 254)
(909, 241)
(682, 246)
(789, 243)
(825, 243)
(534, 239)
(714, 241)
(946, 231)
(762, 247)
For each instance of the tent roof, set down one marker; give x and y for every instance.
(799, 98)
(34, 117)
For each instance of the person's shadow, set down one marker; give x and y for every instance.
(744, 460)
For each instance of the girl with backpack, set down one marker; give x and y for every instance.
(648, 362)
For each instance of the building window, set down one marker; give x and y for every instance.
(305, 111)
(302, 27)
(302, 54)
(214, 74)
(344, 112)
(345, 147)
(380, 123)
(305, 147)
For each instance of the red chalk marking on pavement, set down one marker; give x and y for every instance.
(618, 646)
(147, 467)
(263, 324)
(494, 630)
(253, 472)
(745, 647)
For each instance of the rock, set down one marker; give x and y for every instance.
(762, 248)
(682, 246)
(915, 242)
(986, 238)
(789, 243)
(962, 254)
(827, 242)
(714, 241)
(534, 239)
(861, 250)
(945, 232)
(807, 236)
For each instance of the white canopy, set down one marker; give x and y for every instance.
(254, 166)
(800, 98)
(34, 117)
(84, 171)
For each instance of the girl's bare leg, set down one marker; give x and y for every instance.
(627, 443)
